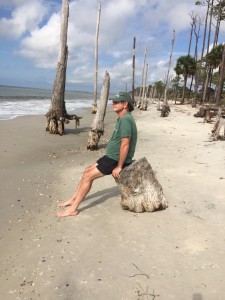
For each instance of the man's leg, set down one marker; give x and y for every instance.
(70, 201)
(89, 175)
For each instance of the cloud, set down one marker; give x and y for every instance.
(151, 21)
(25, 18)
(42, 45)
(11, 3)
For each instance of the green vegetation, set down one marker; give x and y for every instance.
(198, 77)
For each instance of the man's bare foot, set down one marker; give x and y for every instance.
(67, 213)
(68, 202)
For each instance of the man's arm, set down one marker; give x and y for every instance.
(124, 148)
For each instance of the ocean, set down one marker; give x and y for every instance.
(21, 101)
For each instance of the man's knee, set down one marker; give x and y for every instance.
(90, 168)
(87, 175)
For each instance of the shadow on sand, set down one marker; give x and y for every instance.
(197, 296)
(76, 130)
(102, 197)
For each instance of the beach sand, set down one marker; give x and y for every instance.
(106, 252)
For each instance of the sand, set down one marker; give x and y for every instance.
(106, 252)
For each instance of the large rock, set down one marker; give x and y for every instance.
(140, 188)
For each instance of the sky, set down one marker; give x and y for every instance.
(30, 33)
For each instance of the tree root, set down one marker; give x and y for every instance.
(55, 123)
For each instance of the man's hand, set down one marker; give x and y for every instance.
(116, 172)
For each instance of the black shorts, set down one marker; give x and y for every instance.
(106, 165)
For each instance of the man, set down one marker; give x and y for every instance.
(119, 154)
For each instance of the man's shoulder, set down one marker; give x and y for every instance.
(127, 121)
(127, 116)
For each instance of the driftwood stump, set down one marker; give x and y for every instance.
(97, 127)
(216, 130)
(165, 110)
(201, 113)
(209, 112)
(57, 115)
(55, 124)
(220, 122)
(140, 189)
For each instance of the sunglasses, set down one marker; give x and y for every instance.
(116, 102)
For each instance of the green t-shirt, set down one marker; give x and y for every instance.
(125, 127)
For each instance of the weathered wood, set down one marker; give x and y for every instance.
(97, 127)
(140, 188)
(220, 122)
(56, 125)
(144, 103)
(208, 112)
(165, 101)
(165, 110)
(94, 105)
(142, 80)
(75, 118)
(133, 69)
(57, 111)
(217, 128)
(201, 113)
(58, 103)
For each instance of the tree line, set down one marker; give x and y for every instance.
(204, 72)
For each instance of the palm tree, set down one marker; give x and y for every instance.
(209, 16)
(214, 60)
(175, 87)
(160, 87)
(218, 12)
(159, 90)
(220, 79)
(214, 57)
(186, 66)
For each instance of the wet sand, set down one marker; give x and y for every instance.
(106, 252)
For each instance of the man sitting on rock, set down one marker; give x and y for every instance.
(119, 154)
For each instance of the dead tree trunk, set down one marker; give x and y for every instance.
(144, 103)
(220, 122)
(133, 69)
(94, 105)
(140, 189)
(198, 66)
(57, 115)
(217, 128)
(58, 109)
(165, 110)
(142, 80)
(165, 102)
(97, 127)
(147, 97)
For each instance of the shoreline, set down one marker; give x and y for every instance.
(78, 111)
(93, 255)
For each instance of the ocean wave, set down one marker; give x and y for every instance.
(11, 109)
(21, 101)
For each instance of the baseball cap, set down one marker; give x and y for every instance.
(122, 96)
